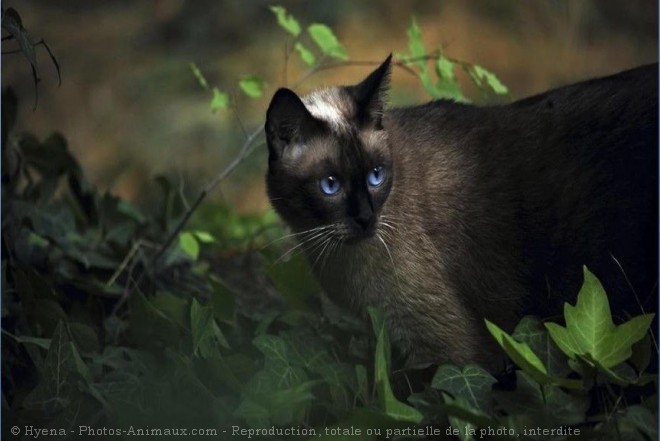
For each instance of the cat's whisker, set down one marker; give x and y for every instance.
(387, 225)
(326, 242)
(394, 270)
(306, 240)
(300, 233)
(333, 247)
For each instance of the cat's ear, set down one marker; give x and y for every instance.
(287, 119)
(371, 94)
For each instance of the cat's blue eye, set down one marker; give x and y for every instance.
(329, 185)
(376, 176)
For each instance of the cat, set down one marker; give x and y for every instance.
(445, 214)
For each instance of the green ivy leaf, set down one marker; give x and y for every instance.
(252, 86)
(590, 331)
(472, 383)
(530, 330)
(305, 54)
(521, 354)
(206, 335)
(545, 403)
(189, 244)
(286, 21)
(327, 41)
(392, 407)
(59, 373)
(219, 101)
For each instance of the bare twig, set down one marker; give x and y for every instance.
(400, 64)
(246, 149)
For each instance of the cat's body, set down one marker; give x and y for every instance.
(484, 212)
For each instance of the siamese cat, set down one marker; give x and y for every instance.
(445, 214)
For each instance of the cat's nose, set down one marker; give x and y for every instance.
(364, 220)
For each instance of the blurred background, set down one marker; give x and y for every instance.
(131, 108)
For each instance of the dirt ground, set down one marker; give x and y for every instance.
(131, 108)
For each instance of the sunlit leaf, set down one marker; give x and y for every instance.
(327, 41)
(189, 244)
(391, 405)
(415, 43)
(219, 101)
(590, 330)
(445, 69)
(286, 20)
(305, 54)
(204, 236)
(252, 86)
(480, 76)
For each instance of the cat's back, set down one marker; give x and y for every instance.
(559, 180)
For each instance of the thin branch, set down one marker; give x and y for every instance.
(401, 64)
(246, 149)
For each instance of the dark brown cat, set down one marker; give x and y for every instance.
(444, 214)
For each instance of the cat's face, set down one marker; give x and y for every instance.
(330, 163)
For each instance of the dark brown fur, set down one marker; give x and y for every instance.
(486, 212)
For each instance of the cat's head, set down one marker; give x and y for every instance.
(329, 158)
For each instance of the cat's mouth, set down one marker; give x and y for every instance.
(360, 233)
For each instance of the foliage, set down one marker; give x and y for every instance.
(228, 328)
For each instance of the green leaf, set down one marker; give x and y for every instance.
(286, 21)
(206, 335)
(415, 43)
(305, 54)
(643, 420)
(204, 236)
(530, 330)
(462, 416)
(189, 244)
(58, 384)
(392, 407)
(447, 85)
(252, 86)
(546, 403)
(471, 383)
(219, 101)
(590, 331)
(327, 41)
(445, 69)
(480, 75)
(521, 354)
(278, 361)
